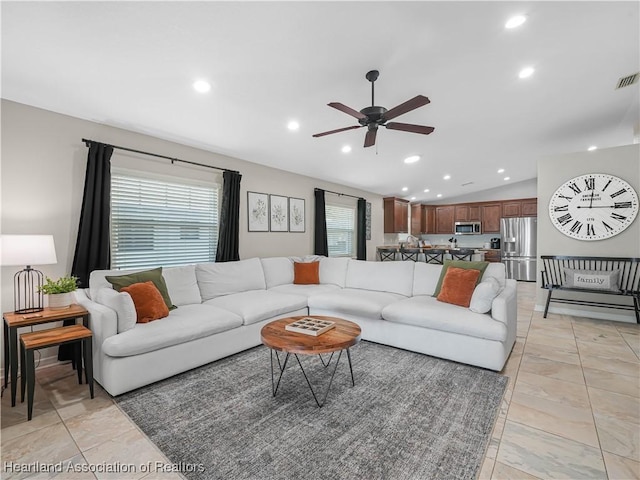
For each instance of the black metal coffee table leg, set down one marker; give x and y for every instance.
(274, 386)
(330, 380)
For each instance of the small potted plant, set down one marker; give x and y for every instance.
(60, 291)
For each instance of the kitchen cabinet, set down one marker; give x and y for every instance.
(491, 214)
(530, 207)
(474, 213)
(417, 226)
(444, 219)
(461, 213)
(396, 215)
(492, 256)
(429, 219)
(512, 208)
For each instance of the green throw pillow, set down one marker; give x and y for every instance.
(154, 276)
(482, 266)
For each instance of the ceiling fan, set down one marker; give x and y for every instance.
(373, 117)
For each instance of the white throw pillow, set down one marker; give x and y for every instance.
(122, 303)
(483, 295)
(182, 285)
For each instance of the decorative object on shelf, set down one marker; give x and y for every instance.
(296, 215)
(594, 206)
(279, 213)
(310, 326)
(27, 250)
(60, 292)
(258, 215)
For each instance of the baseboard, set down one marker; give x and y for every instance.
(44, 362)
(624, 318)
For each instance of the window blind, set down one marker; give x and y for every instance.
(159, 223)
(341, 221)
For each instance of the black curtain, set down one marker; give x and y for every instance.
(320, 246)
(361, 230)
(92, 245)
(228, 243)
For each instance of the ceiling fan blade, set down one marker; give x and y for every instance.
(347, 110)
(370, 138)
(408, 127)
(407, 106)
(337, 131)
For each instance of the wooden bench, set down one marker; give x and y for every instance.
(30, 342)
(554, 279)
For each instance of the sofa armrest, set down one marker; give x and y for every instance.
(505, 306)
(103, 321)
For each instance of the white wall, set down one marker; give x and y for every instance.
(509, 191)
(623, 162)
(43, 167)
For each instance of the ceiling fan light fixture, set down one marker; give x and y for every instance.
(526, 72)
(201, 86)
(515, 21)
(412, 159)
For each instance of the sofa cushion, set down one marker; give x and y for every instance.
(123, 305)
(483, 295)
(277, 271)
(98, 280)
(426, 311)
(182, 284)
(480, 266)
(184, 324)
(392, 277)
(306, 273)
(365, 303)
(425, 278)
(154, 275)
(257, 305)
(225, 278)
(498, 271)
(305, 290)
(334, 270)
(458, 286)
(148, 300)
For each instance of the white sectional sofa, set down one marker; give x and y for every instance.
(223, 306)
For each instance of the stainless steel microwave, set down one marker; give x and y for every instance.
(467, 228)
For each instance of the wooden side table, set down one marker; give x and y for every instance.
(13, 321)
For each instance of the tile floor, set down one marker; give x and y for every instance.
(572, 410)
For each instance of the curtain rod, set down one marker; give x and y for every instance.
(173, 159)
(340, 194)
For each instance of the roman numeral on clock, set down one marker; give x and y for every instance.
(607, 227)
(605, 187)
(564, 219)
(619, 192)
(590, 230)
(565, 197)
(590, 183)
(622, 205)
(562, 208)
(575, 188)
(575, 228)
(621, 218)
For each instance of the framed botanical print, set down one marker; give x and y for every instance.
(258, 211)
(296, 215)
(279, 213)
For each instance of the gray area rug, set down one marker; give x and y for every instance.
(409, 416)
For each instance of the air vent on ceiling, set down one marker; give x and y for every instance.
(465, 184)
(628, 80)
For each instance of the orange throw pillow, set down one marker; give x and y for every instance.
(306, 273)
(148, 301)
(458, 285)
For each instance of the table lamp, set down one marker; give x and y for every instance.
(18, 250)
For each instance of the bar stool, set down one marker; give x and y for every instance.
(434, 255)
(387, 253)
(410, 253)
(462, 254)
(52, 337)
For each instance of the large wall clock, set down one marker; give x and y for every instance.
(594, 206)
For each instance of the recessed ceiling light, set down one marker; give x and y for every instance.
(516, 21)
(346, 149)
(201, 86)
(412, 159)
(293, 125)
(592, 148)
(507, 178)
(501, 170)
(526, 72)
(404, 189)
(439, 195)
(426, 190)
(447, 177)
(413, 198)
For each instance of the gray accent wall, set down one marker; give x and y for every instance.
(623, 162)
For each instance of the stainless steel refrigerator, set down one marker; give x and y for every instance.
(519, 247)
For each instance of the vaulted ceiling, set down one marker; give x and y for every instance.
(132, 65)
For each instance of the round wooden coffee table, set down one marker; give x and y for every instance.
(344, 335)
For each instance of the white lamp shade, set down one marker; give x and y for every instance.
(22, 250)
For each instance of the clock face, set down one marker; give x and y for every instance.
(594, 206)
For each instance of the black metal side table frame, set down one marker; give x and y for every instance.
(281, 367)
